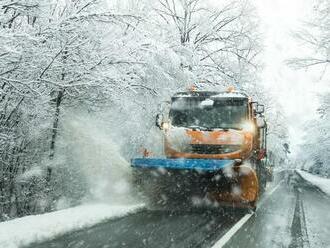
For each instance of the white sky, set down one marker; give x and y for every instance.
(295, 89)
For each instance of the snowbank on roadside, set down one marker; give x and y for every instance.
(37, 228)
(322, 183)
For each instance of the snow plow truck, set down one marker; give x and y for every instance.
(214, 152)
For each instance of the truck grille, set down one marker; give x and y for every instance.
(213, 149)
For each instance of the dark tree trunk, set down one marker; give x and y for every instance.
(58, 101)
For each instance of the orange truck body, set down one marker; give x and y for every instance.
(246, 147)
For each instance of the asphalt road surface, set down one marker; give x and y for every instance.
(291, 214)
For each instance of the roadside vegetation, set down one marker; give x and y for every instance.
(316, 36)
(69, 67)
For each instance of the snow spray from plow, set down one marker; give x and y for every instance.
(98, 159)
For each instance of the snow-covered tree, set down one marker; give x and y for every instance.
(58, 57)
(315, 155)
(67, 65)
(55, 55)
(221, 42)
(316, 37)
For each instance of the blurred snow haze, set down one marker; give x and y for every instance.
(95, 153)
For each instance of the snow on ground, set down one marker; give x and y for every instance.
(322, 183)
(37, 228)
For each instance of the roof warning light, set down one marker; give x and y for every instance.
(193, 88)
(231, 89)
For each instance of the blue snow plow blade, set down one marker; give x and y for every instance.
(183, 164)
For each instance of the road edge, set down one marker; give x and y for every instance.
(233, 230)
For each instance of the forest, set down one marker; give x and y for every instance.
(81, 82)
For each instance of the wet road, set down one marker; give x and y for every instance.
(291, 214)
(295, 215)
(152, 228)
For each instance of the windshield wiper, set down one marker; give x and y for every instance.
(225, 128)
(198, 128)
(235, 128)
(201, 128)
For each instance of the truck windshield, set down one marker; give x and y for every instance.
(226, 113)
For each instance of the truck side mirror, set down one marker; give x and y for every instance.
(159, 120)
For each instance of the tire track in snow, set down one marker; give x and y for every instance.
(299, 233)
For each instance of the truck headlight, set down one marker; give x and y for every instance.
(165, 125)
(248, 127)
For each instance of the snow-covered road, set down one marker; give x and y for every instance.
(297, 215)
(21, 232)
(292, 213)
